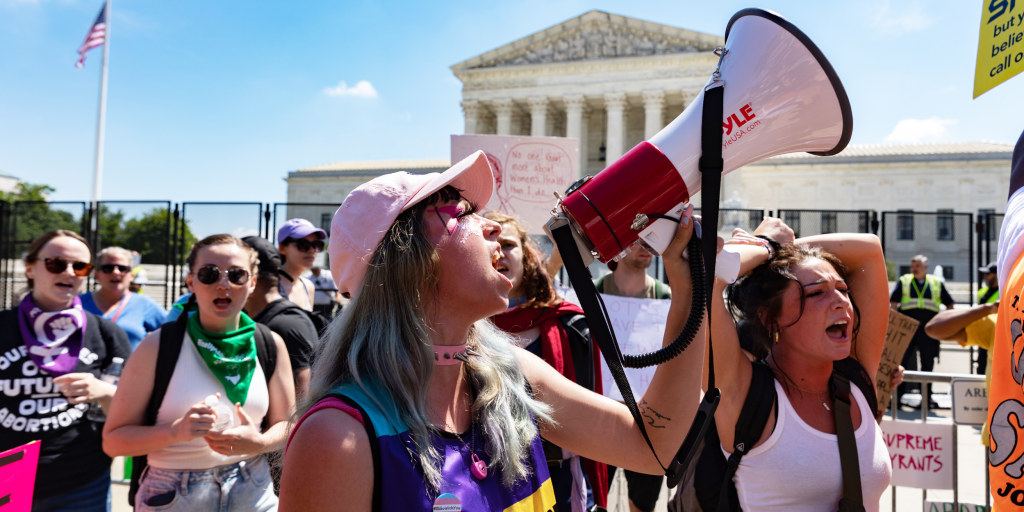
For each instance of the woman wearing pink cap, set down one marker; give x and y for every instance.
(298, 241)
(418, 403)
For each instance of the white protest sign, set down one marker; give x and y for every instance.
(639, 326)
(947, 506)
(527, 172)
(970, 401)
(921, 453)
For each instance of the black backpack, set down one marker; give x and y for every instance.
(712, 474)
(172, 334)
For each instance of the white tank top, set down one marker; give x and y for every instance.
(798, 468)
(190, 383)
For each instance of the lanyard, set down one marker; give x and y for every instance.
(120, 306)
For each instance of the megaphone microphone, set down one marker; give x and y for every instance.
(782, 96)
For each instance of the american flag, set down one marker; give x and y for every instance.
(96, 37)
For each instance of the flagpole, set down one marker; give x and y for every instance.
(97, 177)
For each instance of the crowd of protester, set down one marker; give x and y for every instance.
(455, 374)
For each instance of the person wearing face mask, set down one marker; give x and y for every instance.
(299, 242)
(816, 306)
(556, 331)
(136, 314)
(417, 402)
(225, 404)
(54, 353)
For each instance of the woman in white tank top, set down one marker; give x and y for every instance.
(207, 454)
(798, 298)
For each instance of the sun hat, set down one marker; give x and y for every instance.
(369, 211)
(298, 228)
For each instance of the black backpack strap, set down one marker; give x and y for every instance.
(852, 500)
(757, 408)
(266, 350)
(855, 373)
(582, 348)
(171, 336)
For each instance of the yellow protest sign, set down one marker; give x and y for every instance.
(1000, 44)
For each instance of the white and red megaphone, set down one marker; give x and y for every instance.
(780, 96)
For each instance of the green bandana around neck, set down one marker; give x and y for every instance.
(230, 356)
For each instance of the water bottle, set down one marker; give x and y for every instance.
(222, 411)
(111, 375)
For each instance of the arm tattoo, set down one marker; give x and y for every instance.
(651, 417)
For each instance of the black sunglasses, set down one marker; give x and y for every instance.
(108, 268)
(209, 274)
(59, 265)
(304, 245)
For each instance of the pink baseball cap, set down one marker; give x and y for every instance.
(368, 212)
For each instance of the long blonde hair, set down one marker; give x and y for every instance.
(382, 337)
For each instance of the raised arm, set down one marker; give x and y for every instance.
(868, 285)
(603, 429)
(951, 324)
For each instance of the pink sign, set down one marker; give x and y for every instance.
(527, 172)
(18, 476)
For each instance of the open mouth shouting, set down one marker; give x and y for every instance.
(839, 331)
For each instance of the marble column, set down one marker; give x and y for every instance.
(538, 116)
(654, 104)
(503, 111)
(576, 126)
(472, 110)
(615, 106)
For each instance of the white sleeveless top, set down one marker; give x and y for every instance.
(191, 382)
(798, 468)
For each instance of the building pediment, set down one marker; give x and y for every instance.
(592, 36)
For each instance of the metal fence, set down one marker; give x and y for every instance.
(946, 237)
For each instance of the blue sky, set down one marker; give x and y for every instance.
(219, 100)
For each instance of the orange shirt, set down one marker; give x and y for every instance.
(1006, 399)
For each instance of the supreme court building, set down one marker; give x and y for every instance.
(611, 82)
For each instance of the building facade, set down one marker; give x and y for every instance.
(612, 81)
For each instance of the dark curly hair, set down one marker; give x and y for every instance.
(538, 287)
(755, 300)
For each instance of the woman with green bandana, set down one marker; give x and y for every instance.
(202, 455)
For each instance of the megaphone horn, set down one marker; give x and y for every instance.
(780, 96)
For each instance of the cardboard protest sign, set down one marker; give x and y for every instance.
(1000, 45)
(527, 172)
(897, 338)
(639, 326)
(18, 477)
(921, 453)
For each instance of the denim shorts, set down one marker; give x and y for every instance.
(244, 487)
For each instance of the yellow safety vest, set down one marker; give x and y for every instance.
(981, 295)
(920, 302)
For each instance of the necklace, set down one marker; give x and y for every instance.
(478, 468)
(819, 394)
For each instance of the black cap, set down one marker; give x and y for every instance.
(988, 269)
(269, 258)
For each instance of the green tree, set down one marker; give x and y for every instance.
(149, 234)
(32, 215)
